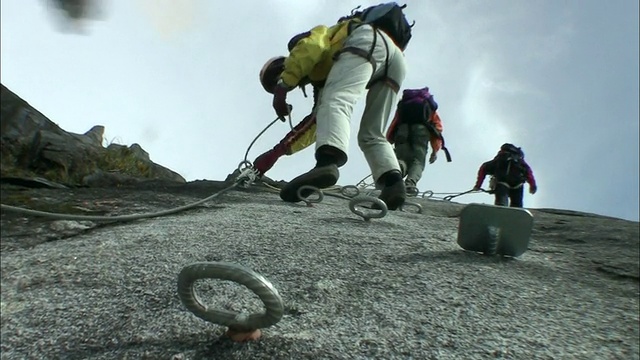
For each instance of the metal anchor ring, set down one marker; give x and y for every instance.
(413, 191)
(368, 199)
(314, 190)
(346, 191)
(427, 194)
(411, 204)
(236, 273)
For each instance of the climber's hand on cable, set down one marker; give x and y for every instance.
(280, 100)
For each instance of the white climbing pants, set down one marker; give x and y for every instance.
(346, 84)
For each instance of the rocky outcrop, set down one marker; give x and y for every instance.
(35, 147)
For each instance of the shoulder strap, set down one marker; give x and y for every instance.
(435, 132)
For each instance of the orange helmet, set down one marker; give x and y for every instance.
(270, 73)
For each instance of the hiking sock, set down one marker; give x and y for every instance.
(391, 177)
(329, 155)
(325, 159)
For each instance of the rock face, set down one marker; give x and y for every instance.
(396, 287)
(35, 147)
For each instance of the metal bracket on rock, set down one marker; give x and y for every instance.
(495, 230)
(314, 190)
(358, 200)
(227, 271)
(410, 204)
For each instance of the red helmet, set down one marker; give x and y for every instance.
(270, 73)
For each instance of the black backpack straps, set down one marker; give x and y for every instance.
(426, 112)
(368, 55)
(433, 130)
(446, 151)
(389, 81)
(438, 134)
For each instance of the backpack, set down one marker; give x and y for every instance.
(510, 165)
(387, 17)
(422, 96)
(417, 105)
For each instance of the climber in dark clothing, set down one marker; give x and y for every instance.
(509, 172)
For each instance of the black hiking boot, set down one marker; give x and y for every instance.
(394, 196)
(319, 177)
(393, 193)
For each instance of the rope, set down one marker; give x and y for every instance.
(449, 197)
(426, 194)
(246, 154)
(121, 218)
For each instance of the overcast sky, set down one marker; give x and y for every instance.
(180, 78)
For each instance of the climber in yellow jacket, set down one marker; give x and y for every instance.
(344, 61)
